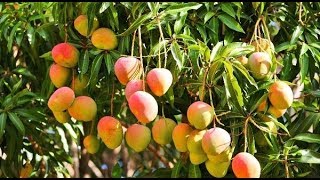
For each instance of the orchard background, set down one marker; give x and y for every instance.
(200, 43)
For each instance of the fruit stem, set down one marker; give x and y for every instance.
(159, 56)
(256, 26)
(164, 45)
(92, 126)
(265, 27)
(133, 39)
(162, 107)
(245, 133)
(65, 33)
(286, 165)
(204, 84)
(140, 52)
(111, 100)
(73, 77)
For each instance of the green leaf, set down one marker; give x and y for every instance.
(304, 65)
(208, 16)
(215, 50)
(307, 156)
(180, 22)
(307, 137)
(245, 72)
(17, 122)
(194, 171)
(108, 62)
(3, 120)
(230, 22)
(283, 46)
(85, 63)
(95, 68)
(177, 8)
(242, 50)
(104, 7)
(279, 124)
(176, 169)
(227, 8)
(234, 83)
(177, 55)
(12, 34)
(304, 49)
(255, 106)
(31, 35)
(25, 72)
(136, 24)
(46, 55)
(116, 171)
(296, 34)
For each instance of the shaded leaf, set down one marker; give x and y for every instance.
(177, 55)
(17, 122)
(194, 171)
(227, 8)
(230, 22)
(136, 24)
(176, 169)
(3, 120)
(116, 171)
(177, 8)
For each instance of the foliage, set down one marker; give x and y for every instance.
(198, 42)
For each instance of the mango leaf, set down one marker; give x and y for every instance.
(176, 169)
(116, 171)
(108, 62)
(307, 137)
(95, 68)
(242, 50)
(208, 16)
(279, 124)
(104, 6)
(12, 34)
(85, 62)
(31, 35)
(177, 55)
(234, 82)
(245, 72)
(255, 106)
(215, 50)
(307, 156)
(17, 122)
(302, 124)
(136, 24)
(3, 120)
(25, 72)
(180, 22)
(227, 8)
(177, 8)
(194, 171)
(230, 22)
(296, 34)
(304, 65)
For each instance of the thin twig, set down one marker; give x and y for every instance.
(300, 14)
(140, 52)
(133, 39)
(111, 100)
(204, 84)
(164, 44)
(245, 133)
(161, 158)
